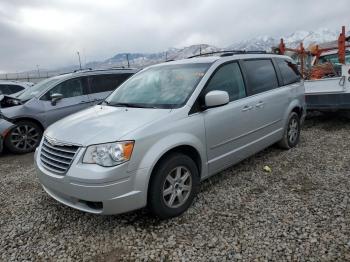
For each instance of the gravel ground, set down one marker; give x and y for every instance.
(298, 212)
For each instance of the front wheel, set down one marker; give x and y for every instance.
(173, 186)
(24, 137)
(291, 134)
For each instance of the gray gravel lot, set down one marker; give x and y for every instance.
(298, 212)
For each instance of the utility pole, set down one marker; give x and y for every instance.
(127, 58)
(37, 66)
(200, 49)
(79, 59)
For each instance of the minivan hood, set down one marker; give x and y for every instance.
(102, 124)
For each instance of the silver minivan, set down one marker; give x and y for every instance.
(168, 127)
(37, 107)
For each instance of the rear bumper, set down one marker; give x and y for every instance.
(1, 144)
(5, 126)
(328, 102)
(112, 191)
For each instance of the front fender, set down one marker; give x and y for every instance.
(170, 142)
(161, 147)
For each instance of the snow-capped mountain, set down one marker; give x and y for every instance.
(144, 59)
(139, 60)
(264, 43)
(319, 36)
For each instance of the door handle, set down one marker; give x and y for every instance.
(260, 104)
(247, 108)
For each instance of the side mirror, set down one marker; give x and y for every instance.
(55, 97)
(216, 98)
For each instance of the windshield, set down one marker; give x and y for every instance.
(167, 86)
(334, 58)
(32, 91)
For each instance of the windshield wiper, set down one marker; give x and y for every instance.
(125, 105)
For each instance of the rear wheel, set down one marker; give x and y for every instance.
(292, 132)
(173, 186)
(24, 137)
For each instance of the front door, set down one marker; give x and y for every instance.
(75, 98)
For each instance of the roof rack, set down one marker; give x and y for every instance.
(230, 53)
(104, 69)
(83, 69)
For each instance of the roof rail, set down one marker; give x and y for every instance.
(82, 69)
(114, 68)
(104, 69)
(230, 53)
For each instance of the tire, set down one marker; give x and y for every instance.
(176, 175)
(291, 134)
(24, 137)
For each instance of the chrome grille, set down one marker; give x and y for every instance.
(57, 158)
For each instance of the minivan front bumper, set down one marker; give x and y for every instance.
(95, 189)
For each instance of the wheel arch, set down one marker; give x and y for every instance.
(294, 106)
(299, 110)
(185, 149)
(16, 120)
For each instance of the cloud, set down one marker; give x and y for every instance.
(49, 33)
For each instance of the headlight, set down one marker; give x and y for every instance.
(110, 154)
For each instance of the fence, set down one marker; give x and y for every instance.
(28, 77)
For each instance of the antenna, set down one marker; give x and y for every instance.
(79, 59)
(37, 66)
(127, 58)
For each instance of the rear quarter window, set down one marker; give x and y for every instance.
(15, 88)
(289, 71)
(261, 75)
(4, 90)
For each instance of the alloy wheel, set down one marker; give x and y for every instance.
(24, 137)
(177, 187)
(293, 130)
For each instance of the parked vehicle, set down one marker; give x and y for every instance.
(168, 127)
(331, 93)
(12, 87)
(326, 70)
(5, 126)
(52, 99)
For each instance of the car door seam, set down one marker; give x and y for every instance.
(245, 134)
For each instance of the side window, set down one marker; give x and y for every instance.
(104, 83)
(228, 78)
(15, 88)
(4, 90)
(347, 58)
(289, 71)
(69, 88)
(261, 75)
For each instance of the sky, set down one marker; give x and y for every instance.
(49, 33)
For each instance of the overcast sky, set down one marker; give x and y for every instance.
(49, 33)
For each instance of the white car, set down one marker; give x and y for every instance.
(12, 87)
